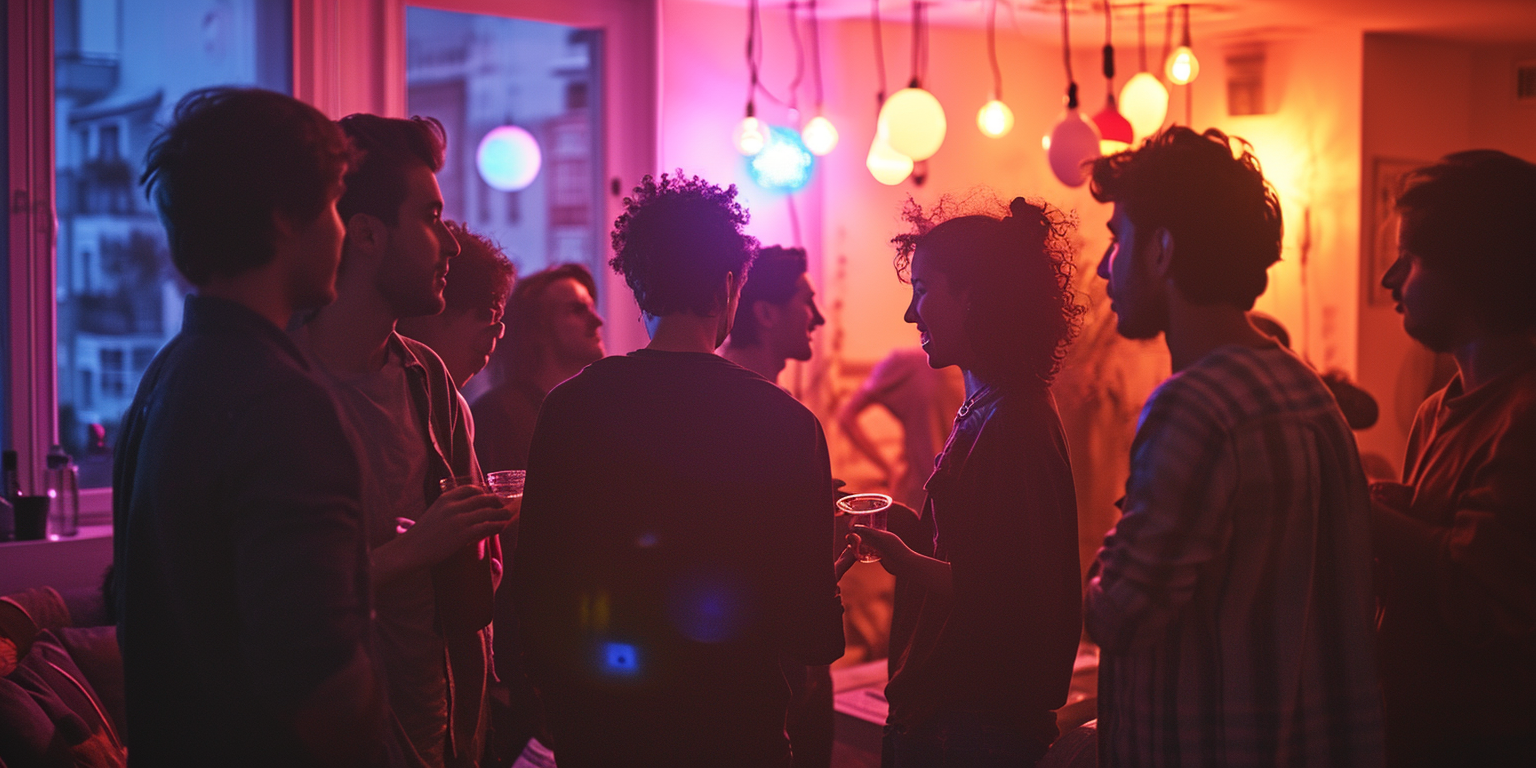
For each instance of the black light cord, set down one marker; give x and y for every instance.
(794, 34)
(816, 52)
(1066, 57)
(997, 72)
(874, 14)
(1141, 33)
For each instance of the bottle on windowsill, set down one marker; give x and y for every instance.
(62, 483)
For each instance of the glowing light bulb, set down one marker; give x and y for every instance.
(750, 137)
(1074, 142)
(1182, 66)
(1115, 132)
(914, 123)
(995, 119)
(1144, 102)
(888, 166)
(784, 165)
(508, 158)
(819, 135)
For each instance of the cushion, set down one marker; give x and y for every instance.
(94, 650)
(49, 714)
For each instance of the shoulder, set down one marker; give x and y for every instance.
(1023, 422)
(437, 371)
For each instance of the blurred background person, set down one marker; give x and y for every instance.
(923, 400)
(553, 331)
(776, 316)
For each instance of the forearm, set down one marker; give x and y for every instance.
(934, 575)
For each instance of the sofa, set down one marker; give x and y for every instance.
(61, 685)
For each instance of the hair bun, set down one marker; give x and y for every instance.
(1026, 217)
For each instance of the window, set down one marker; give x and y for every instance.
(120, 66)
(476, 73)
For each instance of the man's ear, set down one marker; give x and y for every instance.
(365, 233)
(765, 313)
(1160, 253)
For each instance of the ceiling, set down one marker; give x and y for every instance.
(1470, 20)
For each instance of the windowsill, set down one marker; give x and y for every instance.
(87, 533)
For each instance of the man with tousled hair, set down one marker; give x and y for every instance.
(1456, 540)
(1232, 601)
(240, 567)
(435, 557)
(676, 523)
(776, 316)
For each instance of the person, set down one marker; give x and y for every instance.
(923, 400)
(240, 573)
(434, 570)
(1456, 540)
(988, 601)
(553, 331)
(465, 333)
(677, 523)
(776, 316)
(1232, 601)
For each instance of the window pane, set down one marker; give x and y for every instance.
(479, 73)
(120, 68)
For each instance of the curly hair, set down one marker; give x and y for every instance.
(1208, 191)
(677, 239)
(1014, 263)
(1471, 215)
(481, 275)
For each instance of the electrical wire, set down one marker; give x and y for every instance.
(1141, 33)
(997, 72)
(874, 14)
(1066, 57)
(794, 34)
(816, 53)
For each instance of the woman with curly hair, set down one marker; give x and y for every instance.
(987, 586)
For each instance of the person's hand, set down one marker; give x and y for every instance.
(895, 556)
(849, 556)
(459, 517)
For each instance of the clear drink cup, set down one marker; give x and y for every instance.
(869, 510)
(507, 484)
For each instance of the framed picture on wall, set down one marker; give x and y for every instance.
(1387, 176)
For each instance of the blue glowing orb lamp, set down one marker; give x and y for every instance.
(784, 164)
(508, 158)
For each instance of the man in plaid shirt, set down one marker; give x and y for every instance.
(1232, 603)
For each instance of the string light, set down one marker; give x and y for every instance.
(994, 119)
(1115, 132)
(888, 166)
(1182, 66)
(1074, 141)
(912, 117)
(819, 135)
(1143, 100)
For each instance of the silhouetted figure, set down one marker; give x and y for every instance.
(434, 569)
(774, 321)
(1456, 541)
(241, 571)
(465, 333)
(552, 333)
(677, 518)
(1357, 405)
(988, 605)
(1231, 603)
(923, 399)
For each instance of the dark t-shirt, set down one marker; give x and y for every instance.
(240, 559)
(674, 543)
(1002, 512)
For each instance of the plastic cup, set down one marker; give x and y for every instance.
(869, 510)
(507, 484)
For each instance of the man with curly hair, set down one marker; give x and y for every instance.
(1232, 602)
(1456, 541)
(677, 519)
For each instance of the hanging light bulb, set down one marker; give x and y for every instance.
(888, 166)
(1144, 102)
(819, 135)
(1074, 142)
(995, 119)
(914, 122)
(1182, 66)
(751, 135)
(1115, 132)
